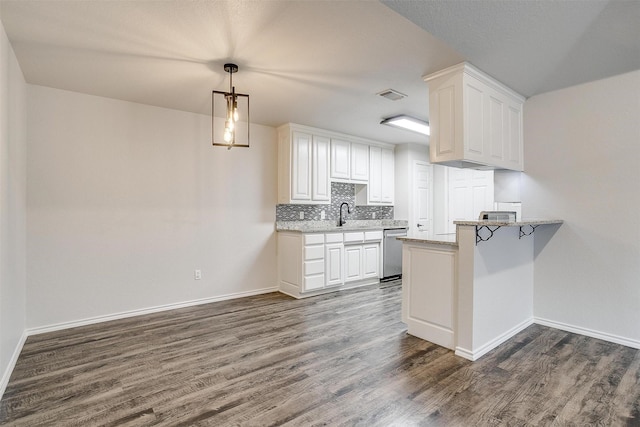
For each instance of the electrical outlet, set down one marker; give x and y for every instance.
(197, 274)
(322, 215)
(301, 214)
(373, 215)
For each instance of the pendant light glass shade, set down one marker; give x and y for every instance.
(233, 130)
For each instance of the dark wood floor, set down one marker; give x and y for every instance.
(338, 359)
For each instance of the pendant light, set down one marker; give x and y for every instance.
(235, 132)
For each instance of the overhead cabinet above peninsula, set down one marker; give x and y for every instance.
(309, 159)
(475, 121)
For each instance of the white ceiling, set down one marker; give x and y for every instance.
(318, 63)
(536, 46)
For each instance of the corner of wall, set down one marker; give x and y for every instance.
(12, 209)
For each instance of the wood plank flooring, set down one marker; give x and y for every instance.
(341, 359)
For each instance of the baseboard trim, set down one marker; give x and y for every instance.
(487, 347)
(140, 312)
(464, 353)
(616, 339)
(294, 291)
(12, 363)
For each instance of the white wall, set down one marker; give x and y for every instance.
(495, 289)
(125, 201)
(582, 156)
(12, 208)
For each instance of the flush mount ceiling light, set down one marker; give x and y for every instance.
(408, 123)
(234, 133)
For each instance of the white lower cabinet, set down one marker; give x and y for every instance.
(362, 255)
(371, 260)
(352, 263)
(361, 262)
(313, 274)
(312, 262)
(334, 259)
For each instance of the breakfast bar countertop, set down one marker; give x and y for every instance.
(449, 239)
(520, 223)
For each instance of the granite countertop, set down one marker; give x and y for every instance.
(520, 223)
(351, 225)
(435, 239)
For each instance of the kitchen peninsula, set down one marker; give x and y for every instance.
(475, 291)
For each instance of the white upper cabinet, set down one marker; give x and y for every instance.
(349, 161)
(387, 179)
(340, 159)
(475, 120)
(309, 159)
(303, 167)
(320, 183)
(375, 174)
(380, 188)
(359, 162)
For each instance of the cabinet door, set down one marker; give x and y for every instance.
(513, 157)
(334, 264)
(320, 184)
(445, 119)
(352, 263)
(301, 166)
(474, 119)
(359, 162)
(496, 117)
(370, 260)
(388, 176)
(375, 174)
(340, 159)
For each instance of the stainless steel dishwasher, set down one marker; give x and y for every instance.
(392, 253)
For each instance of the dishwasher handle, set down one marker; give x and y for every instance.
(396, 235)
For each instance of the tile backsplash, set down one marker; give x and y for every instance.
(340, 192)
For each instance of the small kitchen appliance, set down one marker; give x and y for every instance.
(508, 216)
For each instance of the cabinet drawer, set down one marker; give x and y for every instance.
(354, 237)
(313, 239)
(313, 252)
(333, 238)
(373, 235)
(313, 267)
(313, 282)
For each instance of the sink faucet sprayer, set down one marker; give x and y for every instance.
(341, 221)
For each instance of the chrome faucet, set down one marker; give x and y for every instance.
(341, 221)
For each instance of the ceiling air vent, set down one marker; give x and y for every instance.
(391, 94)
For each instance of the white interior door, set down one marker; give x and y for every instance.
(470, 192)
(422, 220)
